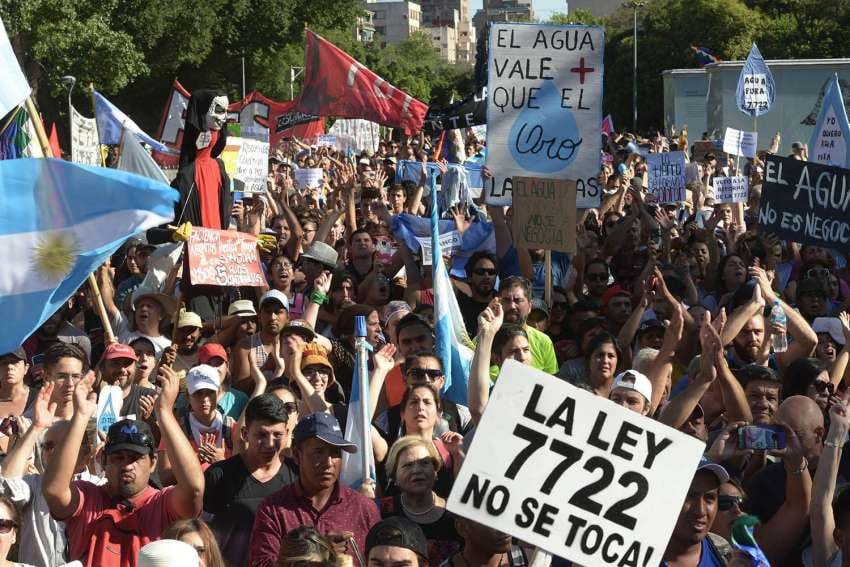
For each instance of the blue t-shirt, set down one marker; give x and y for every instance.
(509, 266)
(707, 556)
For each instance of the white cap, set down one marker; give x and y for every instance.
(831, 325)
(202, 377)
(633, 380)
(168, 553)
(275, 295)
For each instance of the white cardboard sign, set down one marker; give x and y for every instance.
(308, 177)
(544, 107)
(450, 242)
(109, 402)
(740, 143)
(252, 165)
(573, 473)
(731, 189)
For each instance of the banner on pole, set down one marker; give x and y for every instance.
(756, 90)
(544, 214)
(740, 143)
(471, 111)
(667, 176)
(85, 148)
(574, 473)
(544, 107)
(829, 139)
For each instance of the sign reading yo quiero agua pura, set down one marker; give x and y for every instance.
(544, 107)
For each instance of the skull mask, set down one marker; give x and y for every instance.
(217, 114)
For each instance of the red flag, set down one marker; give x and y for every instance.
(336, 84)
(54, 142)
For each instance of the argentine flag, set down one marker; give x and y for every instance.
(111, 123)
(359, 466)
(59, 221)
(453, 344)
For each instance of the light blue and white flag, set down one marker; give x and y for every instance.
(59, 221)
(136, 159)
(756, 89)
(360, 466)
(453, 344)
(111, 122)
(14, 88)
(832, 131)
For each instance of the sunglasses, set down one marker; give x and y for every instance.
(820, 386)
(7, 526)
(484, 272)
(725, 502)
(428, 374)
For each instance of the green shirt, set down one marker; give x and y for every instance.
(542, 353)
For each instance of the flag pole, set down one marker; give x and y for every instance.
(45, 147)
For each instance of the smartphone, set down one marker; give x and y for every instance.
(761, 437)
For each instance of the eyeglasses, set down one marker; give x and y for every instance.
(7, 526)
(822, 386)
(280, 265)
(484, 272)
(65, 377)
(311, 371)
(428, 374)
(725, 502)
(597, 277)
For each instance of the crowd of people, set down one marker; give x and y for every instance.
(228, 445)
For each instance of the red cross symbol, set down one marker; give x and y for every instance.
(581, 70)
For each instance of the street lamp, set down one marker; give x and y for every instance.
(68, 81)
(634, 6)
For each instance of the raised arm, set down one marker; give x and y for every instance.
(107, 291)
(823, 489)
(186, 501)
(321, 285)
(478, 390)
(315, 402)
(15, 463)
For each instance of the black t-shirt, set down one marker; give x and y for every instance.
(470, 310)
(232, 495)
(131, 400)
(443, 539)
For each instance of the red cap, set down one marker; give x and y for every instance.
(117, 350)
(613, 292)
(210, 351)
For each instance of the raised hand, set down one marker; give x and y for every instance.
(322, 283)
(43, 410)
(384, 359)
(85, 400)
(170, 385)
(146, 404)
(490, 320)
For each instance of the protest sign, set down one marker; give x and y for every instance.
(756, 90)
(544, 213)
(471, 111)
(252, 166)
(230, 154)
(667, 176)
(354, 135)
(544, 107)
(325, 140)
(85, 148)
(731, 189)
(573, 473)
(829, 139)
(740, 143)
(308, 177)
(692, 173)
(806, 202)
(224, 258)
(109, 402)
(450, 242)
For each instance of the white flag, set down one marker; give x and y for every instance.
(135, 159)
(85, 148)
(14, 87)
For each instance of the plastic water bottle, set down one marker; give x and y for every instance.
(777, 315)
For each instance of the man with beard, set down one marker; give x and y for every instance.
(118, 368)
(515, 297)
(187, 340)
(108, 524)
(317, 498)
(273, 317)
(478, 290)
(691, 544)
(747, 325)
(236, 487)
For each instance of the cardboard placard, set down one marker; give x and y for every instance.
(573, 473)
(667, 176)
(544, 107)
(740, 143)
(252, 166)
(85, 147)
(806, 202)
(224, 258)
(308, 177)
(450, 242)
(109, 402)
(325, 140)
(544, 213)
(731, 189)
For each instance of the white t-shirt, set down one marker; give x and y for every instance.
(121, 328)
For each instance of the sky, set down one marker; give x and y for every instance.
(542, 8)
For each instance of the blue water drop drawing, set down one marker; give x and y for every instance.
(109, 415)
(545, 140)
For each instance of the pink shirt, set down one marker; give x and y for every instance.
(107, 531)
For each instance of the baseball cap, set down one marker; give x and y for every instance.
(539, 305)
(633, 380)
(202, 377)
(397, 531)
(243, 308)
(797, 146)
(651, 325)
(117, 350)
(130, 435)
(18, 353)
(299, 327)
(706, 464)
(613, 292)
(275, 295)
(208, 351)
(323, 426)
(189, 319)
(831, 325)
